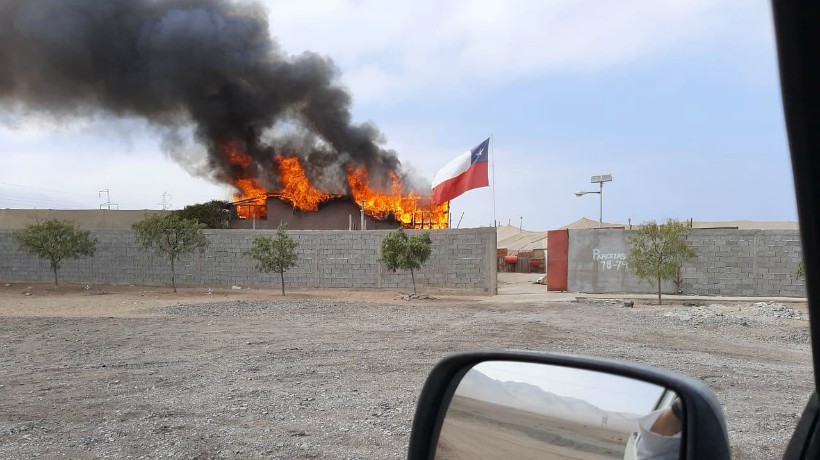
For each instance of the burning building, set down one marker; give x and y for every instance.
(228, 102)
(299, 204)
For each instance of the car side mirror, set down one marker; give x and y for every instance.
(516, 404)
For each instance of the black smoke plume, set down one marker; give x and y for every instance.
(210, 64)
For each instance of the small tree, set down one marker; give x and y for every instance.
(400, 251)
(213, 214)
(55, 240)
(657, 251)
(275, 254)
(801, 270)
(170, 236)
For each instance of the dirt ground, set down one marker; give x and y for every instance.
(142, 372)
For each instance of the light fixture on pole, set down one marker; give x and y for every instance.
(600, 181)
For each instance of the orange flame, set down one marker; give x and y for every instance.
(234, 156)
(251, 192)
(413, 211)
(253, 197)
(296, 187)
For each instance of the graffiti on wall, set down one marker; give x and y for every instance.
(610, 260)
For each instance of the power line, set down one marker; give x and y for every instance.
(61, 192)
(41, 202)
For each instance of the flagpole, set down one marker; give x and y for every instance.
(492, 165)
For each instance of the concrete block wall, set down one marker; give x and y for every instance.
(728, 262)
(462, 259)
(744, 263)
(597, 264)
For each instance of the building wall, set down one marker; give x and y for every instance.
(337, 214)
(597, 263)
(728, 262)
(462, 259)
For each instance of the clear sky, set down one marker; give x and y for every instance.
(678, 100)
(606, 392)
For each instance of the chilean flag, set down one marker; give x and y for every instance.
(466, 172)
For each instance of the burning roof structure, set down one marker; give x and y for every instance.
(229, 104)
(409, 210)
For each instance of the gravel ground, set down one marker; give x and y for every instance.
(317, 378)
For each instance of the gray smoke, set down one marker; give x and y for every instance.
(207, 63)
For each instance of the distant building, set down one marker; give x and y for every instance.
(520, 250)
(335, 214)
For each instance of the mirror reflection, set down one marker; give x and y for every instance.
(514, 410)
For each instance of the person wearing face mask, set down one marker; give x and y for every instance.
(659, 433)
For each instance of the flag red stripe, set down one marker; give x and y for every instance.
(474, 177)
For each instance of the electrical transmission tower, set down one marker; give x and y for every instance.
(107, 204)
(166, 201)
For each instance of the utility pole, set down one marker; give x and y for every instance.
(107, 204)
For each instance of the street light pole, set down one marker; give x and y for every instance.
(601, 206)
(600, 181)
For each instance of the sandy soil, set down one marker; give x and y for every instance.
(479, 430)
(128, 301)
(141, 372)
